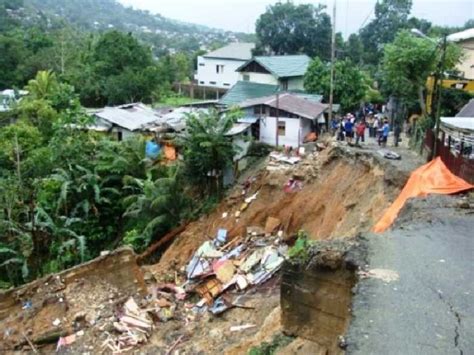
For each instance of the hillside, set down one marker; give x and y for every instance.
(162, 34)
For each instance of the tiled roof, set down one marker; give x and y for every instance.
(245, 90)
(282, 66)
(238, 50)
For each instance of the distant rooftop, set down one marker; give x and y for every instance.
(282, 66)
(461, 36)
(238, 50)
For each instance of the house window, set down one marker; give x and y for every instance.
(246, 77)
(226, 84)
(219, 69)
(201, 82)
(281, 128)
(212, 82)
(201, 64)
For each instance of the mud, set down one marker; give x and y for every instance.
(343, 193)
(76, 298)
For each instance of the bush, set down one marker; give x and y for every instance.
(259, 149)
(300, 249)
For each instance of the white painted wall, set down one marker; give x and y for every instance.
(296, 129)
(206, 72)
(243, 141)
(260, 78)
(467, 62)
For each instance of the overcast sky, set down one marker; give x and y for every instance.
(240, 15)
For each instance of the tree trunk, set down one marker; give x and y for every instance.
(421, 98)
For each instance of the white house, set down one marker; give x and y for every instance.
(285, 119)
(8, 97)
(465, 40)
(218, 68)
(285, 71)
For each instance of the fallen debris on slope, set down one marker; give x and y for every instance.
(62, 306)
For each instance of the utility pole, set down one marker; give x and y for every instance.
(277, 115)
(333, 57)
(439, 82)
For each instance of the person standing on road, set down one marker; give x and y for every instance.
(375, 126)
(334, 125)
(340, 134)
(360, 132)
(348, 129)
(384, 133)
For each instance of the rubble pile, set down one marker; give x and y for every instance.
(219, 266)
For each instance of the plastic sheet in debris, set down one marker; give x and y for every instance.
(198, 267)
(220, 305)
(234, 253)
(208, 250)
(221, 238)
(252, 260)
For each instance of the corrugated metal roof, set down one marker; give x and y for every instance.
(238, 50)
(282, 66)
(131, 116)
(467, 110)
(463, 124)
(244, 90)
(237, 128)
(461, 36)
(291, 103)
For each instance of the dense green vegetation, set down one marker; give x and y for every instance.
(66, 194)
(350, 88)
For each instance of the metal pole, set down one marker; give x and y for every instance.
(333, 56)
(438, 99)
(277, 115)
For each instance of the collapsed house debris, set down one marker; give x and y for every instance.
(221, 265)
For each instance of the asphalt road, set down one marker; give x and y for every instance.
(430, 308)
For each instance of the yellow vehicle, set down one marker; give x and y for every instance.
(462, 84)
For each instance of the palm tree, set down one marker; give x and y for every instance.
(207, 151)
(43, 85)
(156, 205)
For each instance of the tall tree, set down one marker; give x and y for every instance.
(350, 85)
(408, 62)
(390, 17)
(286, 28)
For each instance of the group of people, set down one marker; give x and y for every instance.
(347, 127)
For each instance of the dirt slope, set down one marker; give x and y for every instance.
(343, 194)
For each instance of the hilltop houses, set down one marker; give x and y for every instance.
(286, 71)
(218, 68)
